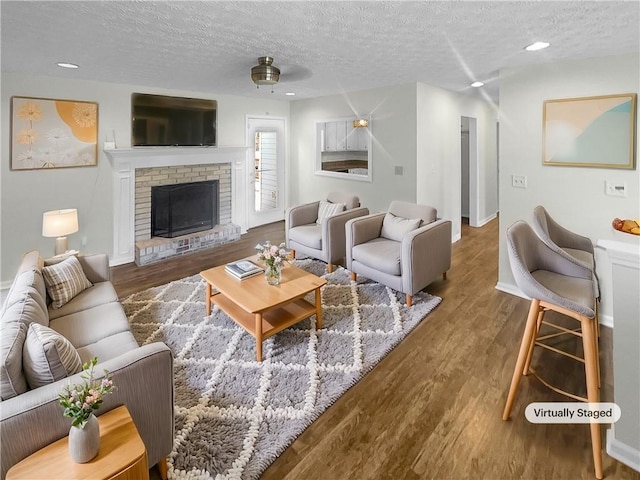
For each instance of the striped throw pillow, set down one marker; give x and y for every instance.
(47, 356)
(328, 209)
(64, 281)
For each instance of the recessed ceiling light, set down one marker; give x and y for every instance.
(290, 94)
(536, 46)
(67, 65)
(477, 84)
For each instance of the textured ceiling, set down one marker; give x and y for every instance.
(321, 48)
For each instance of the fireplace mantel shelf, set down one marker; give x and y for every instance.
(214, 153)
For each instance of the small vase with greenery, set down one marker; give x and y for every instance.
(79, 402)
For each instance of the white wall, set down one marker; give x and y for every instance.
(414, 126)
(393, 112)
(439, 152)
(574, 196)
(27, 194)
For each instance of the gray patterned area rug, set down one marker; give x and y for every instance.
(233, 415)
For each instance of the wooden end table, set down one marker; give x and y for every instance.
(262, 309)
(122, 455)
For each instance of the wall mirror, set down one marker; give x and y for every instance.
(343, 148)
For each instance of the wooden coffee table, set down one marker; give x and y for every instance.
(262, 309)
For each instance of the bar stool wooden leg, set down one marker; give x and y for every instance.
(593, 394)
(594, 326)
(527, 364)
(529, 332)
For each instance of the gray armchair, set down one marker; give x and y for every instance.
(321, 238)
(406, 248)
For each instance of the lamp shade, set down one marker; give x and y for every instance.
(58, 223)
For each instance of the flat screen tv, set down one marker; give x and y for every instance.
(162, 121)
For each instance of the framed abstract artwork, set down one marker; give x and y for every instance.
(590, 131)
(49, 133)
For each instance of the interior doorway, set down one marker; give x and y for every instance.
(265, 168)
(469, 171)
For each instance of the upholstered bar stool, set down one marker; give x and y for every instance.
(554, 283)
(573, 246)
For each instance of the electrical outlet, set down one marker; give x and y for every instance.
(273, 195)
(519, 181)
(618, 189)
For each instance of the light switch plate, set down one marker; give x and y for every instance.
(615, 189)
(519, 181)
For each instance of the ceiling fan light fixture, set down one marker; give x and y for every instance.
(265, 73)
(477, 84)
(361, 123)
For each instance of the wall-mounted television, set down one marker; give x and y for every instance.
(163, 121)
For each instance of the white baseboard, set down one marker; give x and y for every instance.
(114, 262)
(484, 221)
(6, 284)
(605, 320)
(511, 289)
(622, 452)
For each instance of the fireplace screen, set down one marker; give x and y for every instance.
(184, 208)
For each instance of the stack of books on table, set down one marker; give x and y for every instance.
(243, 269)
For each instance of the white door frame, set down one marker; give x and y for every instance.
(474, 175)
(279, 124)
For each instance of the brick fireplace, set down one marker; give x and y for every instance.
(150, 250)
(137, 170)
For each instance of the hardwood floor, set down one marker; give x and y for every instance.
(130, 278)
(432, 408)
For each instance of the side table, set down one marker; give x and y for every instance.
(122, 455)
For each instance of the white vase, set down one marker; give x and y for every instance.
(84, 443)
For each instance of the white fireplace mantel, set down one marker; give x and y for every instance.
(125, 161)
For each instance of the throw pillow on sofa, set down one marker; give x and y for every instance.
(64, 281)
(12, 381)
(394, 228)
(47, 356)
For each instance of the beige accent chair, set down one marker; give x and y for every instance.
(406, 248)
(324, 240)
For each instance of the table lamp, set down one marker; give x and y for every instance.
(59, 223)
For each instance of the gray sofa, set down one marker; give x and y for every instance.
(96, 325)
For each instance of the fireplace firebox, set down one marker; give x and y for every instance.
(184, 208)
